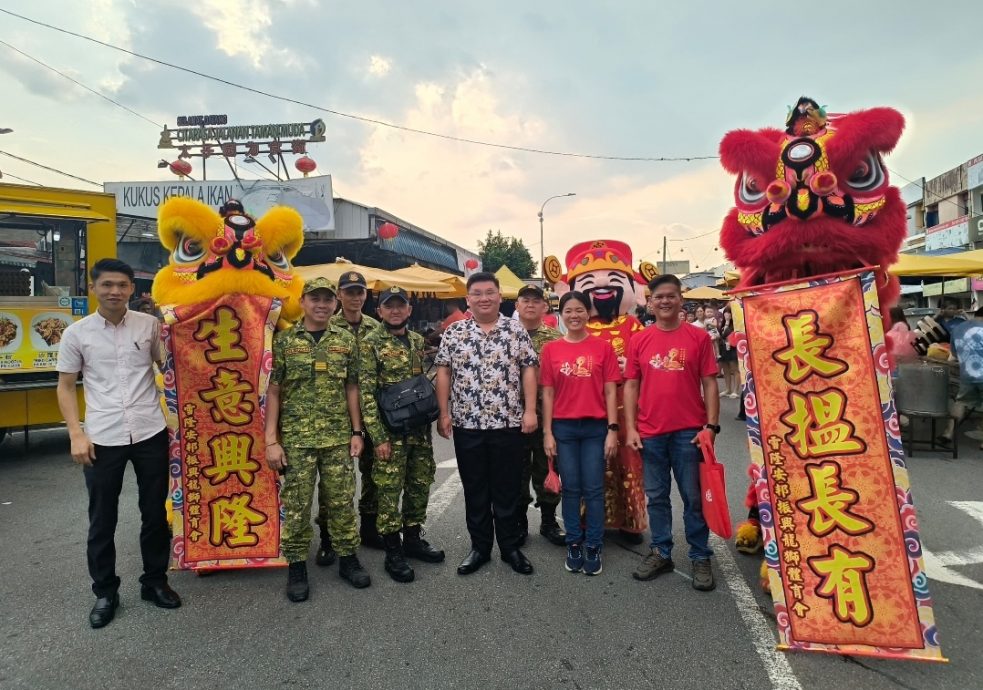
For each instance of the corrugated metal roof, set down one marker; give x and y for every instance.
(409, 243)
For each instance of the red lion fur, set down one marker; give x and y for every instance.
(842, 233)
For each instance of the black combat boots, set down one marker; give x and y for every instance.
(550, 528)
(350, 569)
(415, 546)
(297, 589)
(396, 564)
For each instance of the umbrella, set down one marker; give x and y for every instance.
(376, 279)
(509, 282)
(416, 271)
(706, 292)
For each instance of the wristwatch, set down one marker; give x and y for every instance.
(358, 432)
(614, 427)
(715, 428)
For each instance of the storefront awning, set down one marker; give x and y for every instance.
(18, 208)
(950, 265)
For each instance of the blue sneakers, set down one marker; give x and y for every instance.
(575, 558)
(592, 564)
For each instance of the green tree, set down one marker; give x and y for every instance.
(497, 251)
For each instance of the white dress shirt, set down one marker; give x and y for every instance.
(122, 405)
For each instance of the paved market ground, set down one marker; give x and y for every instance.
(495, 629)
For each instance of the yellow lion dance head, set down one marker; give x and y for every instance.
(214, 255)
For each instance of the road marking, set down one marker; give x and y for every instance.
(445, 494)
(450, 464)
(937, 564)
(776, 665)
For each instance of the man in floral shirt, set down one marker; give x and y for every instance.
(486, 389)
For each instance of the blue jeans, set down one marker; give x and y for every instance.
(580, 456)
(660, 454)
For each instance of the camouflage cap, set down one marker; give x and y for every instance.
(351, 279)
(319, 283)
(532, 291)
(394, 291)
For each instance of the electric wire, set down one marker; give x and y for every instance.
(50, 169)
(352, 116)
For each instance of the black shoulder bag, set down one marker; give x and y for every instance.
(408, 405)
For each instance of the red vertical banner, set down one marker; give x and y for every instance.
(841, 534)
(217, 369)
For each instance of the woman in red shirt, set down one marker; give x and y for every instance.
(579, 375)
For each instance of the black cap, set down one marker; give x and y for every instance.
(351, 279)
(394, 291)
(532, 291)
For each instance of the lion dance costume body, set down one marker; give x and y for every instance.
(229, 283)
(811, 200)
(602, 270)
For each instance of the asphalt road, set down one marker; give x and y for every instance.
(494, 629)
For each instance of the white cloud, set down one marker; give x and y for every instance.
(243, 28)
(379, 66)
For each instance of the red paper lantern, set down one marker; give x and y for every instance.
(471, 264)
(180, 167)
(388, 231)
(305, 165)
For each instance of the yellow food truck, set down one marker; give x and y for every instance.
(48, 239)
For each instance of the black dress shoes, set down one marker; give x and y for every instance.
(472, 562)
(518, 561)
(161, 595)
(104, 611)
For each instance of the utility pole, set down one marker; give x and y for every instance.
(665, 252)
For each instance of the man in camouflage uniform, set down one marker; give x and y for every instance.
(352, 296)
(531, 307)
(404, 463)
(314, 432)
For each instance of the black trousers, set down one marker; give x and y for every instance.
(490, 463)
(104, 480)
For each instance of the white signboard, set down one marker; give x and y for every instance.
(974, 173)
(310, 196)
(955, 233)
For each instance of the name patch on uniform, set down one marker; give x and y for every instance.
(297, 350)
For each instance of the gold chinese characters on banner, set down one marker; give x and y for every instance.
(225, 499)
(842, 540)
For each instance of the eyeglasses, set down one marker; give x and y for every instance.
(486, 293)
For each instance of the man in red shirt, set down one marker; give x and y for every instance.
(672, 368)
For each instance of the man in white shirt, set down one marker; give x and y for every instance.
(114, 349)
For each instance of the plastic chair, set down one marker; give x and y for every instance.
(922, 390)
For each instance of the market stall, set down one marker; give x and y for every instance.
(43, 293)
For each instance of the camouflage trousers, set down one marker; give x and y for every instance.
(409, 471)
(334, 472)
(535, 467)
(368, 501)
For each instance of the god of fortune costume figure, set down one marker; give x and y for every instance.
(602, 270)
(228, 284)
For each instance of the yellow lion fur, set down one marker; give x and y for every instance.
(748, 537)
(281, 229)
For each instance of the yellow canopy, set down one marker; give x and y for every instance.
(416, 271)
(376, 279)
(960, 264)
(509, 282)
(705, 292)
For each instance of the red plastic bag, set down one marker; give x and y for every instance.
(552, 481)
(713, 490)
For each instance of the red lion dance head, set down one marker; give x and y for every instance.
(815, 198)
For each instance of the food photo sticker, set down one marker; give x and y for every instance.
(11, 332)
(47, 329)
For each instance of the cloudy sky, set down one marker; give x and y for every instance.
(626, 79)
